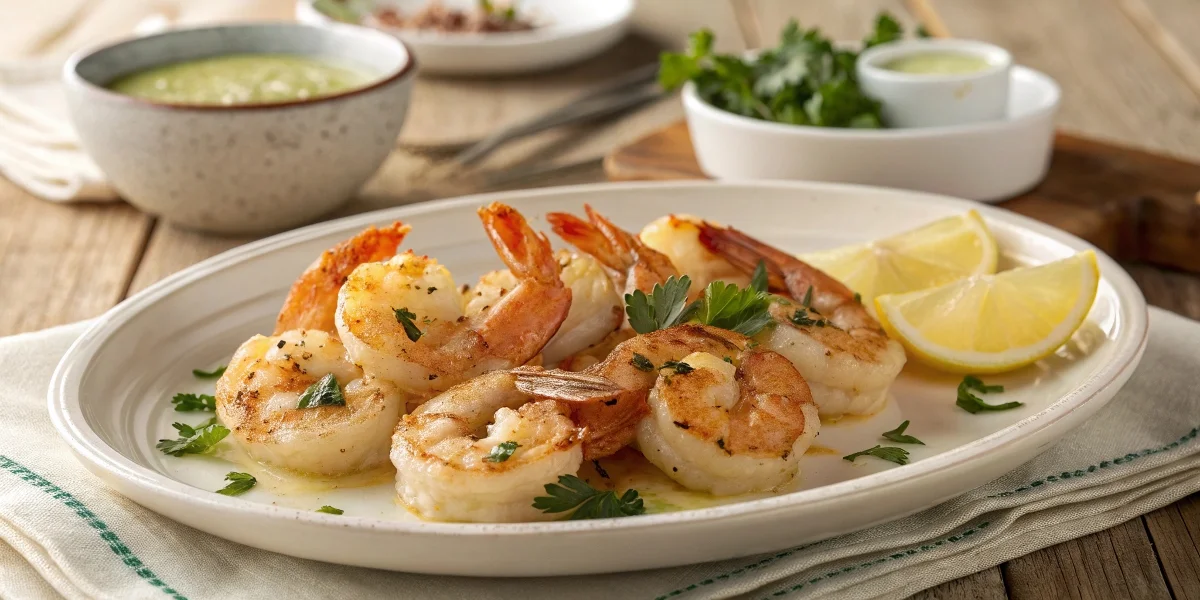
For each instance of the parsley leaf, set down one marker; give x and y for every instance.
(641, 363)
(801, 318)
(574, 494)
(974, 404)
(405, 318)
(502, 452)
(213, 374)
(665, 306)
(807, 301)
(192, 440)
(324, 392)
(239, 483)
(729, 307)
(897, 435)
(888, 453)
(887, 29)
(327, 509)
(194, 402)
(759, 281)
(681, 368)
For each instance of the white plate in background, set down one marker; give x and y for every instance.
(568, 31)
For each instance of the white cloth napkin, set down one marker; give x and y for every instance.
(39, 149)
(62, 532)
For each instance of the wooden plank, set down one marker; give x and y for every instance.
(1115, 563)
(839, 19)
(1115, 84)
(984, 585)
(1165, 24)
(1175, 530)
(63, 263)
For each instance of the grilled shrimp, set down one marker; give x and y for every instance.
(727, 429)
(313, 299)
(632, 264)
(832, 339)
(596, 307)
(727, 420)
(678, 238)
(482, 451)
(258, 395)
(609, 398)
(402, 320)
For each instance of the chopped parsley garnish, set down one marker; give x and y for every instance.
(431, 289)
(897, 435)
(681, 368)
(806, 80)
(239, 483)
(857, 298)
(800, 317)
(574, 494)
(213, 374)
(665, 306)
(324, 392)
(729, 307)
(194, 402)
(327, 509)
(974, 404)
(502, 452)
(807, 301)
(405, 318)
(888, 453)
(758, 281)
(641, 363)
(193, 440)
(724, 305)
(727, 359)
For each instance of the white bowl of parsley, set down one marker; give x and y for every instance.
(796, 112)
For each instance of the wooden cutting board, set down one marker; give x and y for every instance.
(1134, 205)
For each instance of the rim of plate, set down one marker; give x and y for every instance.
(538, 35)
(1020, 75)
(67, 418)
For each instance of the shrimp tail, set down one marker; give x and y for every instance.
(312, 301)
(588, 238)
(527, 253)
(784, 271)
(567, 386)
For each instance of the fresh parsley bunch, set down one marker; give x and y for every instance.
(806, 80)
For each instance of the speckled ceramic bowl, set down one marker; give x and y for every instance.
(247, 168)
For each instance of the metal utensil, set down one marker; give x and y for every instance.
(618, 94)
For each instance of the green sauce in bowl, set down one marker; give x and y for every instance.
(242, 79)
(937, 63)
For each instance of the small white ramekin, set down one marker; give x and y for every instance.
(935, 100)
(989, 161)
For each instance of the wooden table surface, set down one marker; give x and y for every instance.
(1129, 69)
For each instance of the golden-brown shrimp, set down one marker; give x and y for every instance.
(608, 399)
(258, 396)
(730, 429)
(632, 264)
(834, 342)
(402, 320)
(596, 307)
(713, 415)
(258, 400)
(678, 238)
(313, 299)
(482, 451)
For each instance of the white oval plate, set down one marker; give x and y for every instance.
(568, 31)
(109, 396)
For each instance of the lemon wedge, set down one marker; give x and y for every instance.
(994, 323)
(943, 251)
